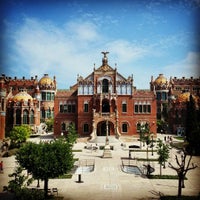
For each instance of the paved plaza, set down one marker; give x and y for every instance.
(108, 181)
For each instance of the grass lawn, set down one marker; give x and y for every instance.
(180, 198)
(178, 145)
(178, 138)
(76, 150)
(150, 159)
(65, 176)
(164, 177)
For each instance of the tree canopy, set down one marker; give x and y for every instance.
(49, 122)
(46, 160)
(72, 134)
(20, 134)
(193, 127)
(163, 153)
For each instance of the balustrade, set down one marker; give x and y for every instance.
(104, 114)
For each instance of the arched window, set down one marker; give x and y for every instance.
(18, 116)
(48, 112)
(32, 117)
(136, 108)
(43, 96)
(86, 107)
(63, 126)
(25, 117)
(105, 106)
(105, 86)
(158, 96)
(43, 113)
(124, 106)
(147, 126)
(164, 96)
(138, 127)
(124, 128)
(85, 128)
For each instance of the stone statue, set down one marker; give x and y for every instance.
(41, 129)
(104, 53)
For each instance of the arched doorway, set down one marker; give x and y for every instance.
(101, 128)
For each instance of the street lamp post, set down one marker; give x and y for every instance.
(107, 140)
(107, 152)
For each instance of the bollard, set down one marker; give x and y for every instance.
(79, 179)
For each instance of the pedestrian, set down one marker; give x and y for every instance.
(168, 139)
(1, 166)
(148, 169)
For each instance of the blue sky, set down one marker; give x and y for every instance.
(65, 38)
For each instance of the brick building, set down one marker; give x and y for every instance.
(25, 101)
(172, 96)
(104, 97)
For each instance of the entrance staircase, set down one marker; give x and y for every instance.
(102, 139)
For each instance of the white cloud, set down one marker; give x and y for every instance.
(187, 67)
(86, 31)
(42, 47)
(126, 51)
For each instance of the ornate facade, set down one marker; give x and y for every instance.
(103, 100)
(25, 101)
(104, 97)
(172, 97)
(160, 86)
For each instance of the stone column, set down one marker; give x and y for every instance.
(107, 152)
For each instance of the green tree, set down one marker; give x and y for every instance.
(19, 134)
(161, 126)
(46, 160)
(49, 122)
(72, 134)
(163, 153)
(193, 127)
(18, 186)
(148, 141)
(144, 134)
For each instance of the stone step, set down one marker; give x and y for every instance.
(102, 139)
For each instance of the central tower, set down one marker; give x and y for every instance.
(105, 103)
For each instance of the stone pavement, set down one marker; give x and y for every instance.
(108, 181)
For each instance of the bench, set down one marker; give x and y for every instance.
(55, 190)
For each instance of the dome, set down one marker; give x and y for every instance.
(185, 97)
(160, 79)
(46, 81)
(22, 96)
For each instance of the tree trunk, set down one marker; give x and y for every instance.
(179, 185)
(183, 185)
(46, 187)
(160, 170)
(38, 182)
